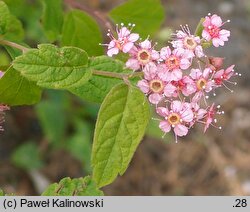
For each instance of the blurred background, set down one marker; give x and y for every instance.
(44, 143)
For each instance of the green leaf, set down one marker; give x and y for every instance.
(27, 156)
(82, 31)
(52, 67)
(121, 124)
(199, 28)
(10, 27)
(79, 145)
(53, 120)
(98, 86)
(148, 15)
(52, 18)
(73, 187)
(17, 90)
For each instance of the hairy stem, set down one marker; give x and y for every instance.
(15, 45)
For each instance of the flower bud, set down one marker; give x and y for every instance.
(216, 62)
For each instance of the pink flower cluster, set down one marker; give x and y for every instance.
(178, 78)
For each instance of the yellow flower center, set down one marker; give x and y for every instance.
(201, 83)
(174, 119)
(172, 62)
(190, 43)
(143, 56)
(156, 86)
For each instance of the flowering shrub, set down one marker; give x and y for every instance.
(177, 79)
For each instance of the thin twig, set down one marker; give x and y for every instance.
(15, 45)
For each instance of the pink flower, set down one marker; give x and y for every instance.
(223, 75)
(2, 109)
(142, 55)
(212, 30)
(198, 112)
(124, 42)
(174, 60)
(153, 83)
(185, 85)
(190, 43)
(202, 81)
(177, 118)
(209, 117)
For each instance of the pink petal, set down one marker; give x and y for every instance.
(150, 71)
(230, 69)
(178, 52)
(180, 130)
(209, 86)
(145, 44)
(216, 20)
(224, 34)
(184, 64)
(164, 126)
(217, 42)
(200, 114)
(189, 89)
(169, 90)
(187, 115)
(112, 44)
(165, 52)
(199, 51)
(127, 47)
(162, 111)
(181, 34)
(206, 73)
(219, 73)
(176, 106)
(155, 98)
(124, 32)
(176, 75)
(206, 35)
(112, 51)
(155, 55)
(195, 73)
(207, 21)
(133, 37)
(133, 64)
(143, 85)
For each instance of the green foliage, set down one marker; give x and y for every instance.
(79, 145)
(17, 90)
(98, 86)
(73, 187)
(52, 18)
(52, 67)
(148, 15)
(27, 156)
(82, 31)
(53, 120)
(121, 124)
(10, 27)
(199, 28)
